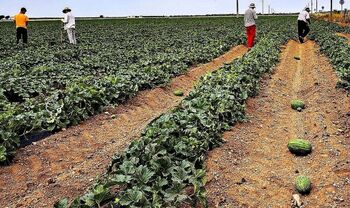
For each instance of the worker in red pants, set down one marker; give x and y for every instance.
(249, 23)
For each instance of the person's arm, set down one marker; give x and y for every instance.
(65, 19)
(308, 18)
(27, 21)
(14, 19)
(255, 15)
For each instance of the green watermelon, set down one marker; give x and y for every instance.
(303, 184)
(298, 105)
(299, 146)
(179, 92)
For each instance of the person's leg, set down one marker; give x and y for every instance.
(300, 31)
(306, 30)
(18, 34)
(73, 37)
(247, 32)
(250, 37)
(253, 34)
(69, 32)
(25, 35)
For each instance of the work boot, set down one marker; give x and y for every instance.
(301, 39)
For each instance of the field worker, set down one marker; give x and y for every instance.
(303, 24)
(249, 23)
(69, 25)
(21, 21)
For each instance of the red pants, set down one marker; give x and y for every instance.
(251, 32)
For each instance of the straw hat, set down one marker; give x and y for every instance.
(252, 5)
(67, 9)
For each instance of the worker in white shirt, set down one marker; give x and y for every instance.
(249, 23)
(303, 24)
(69, 25)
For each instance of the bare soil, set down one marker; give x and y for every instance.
(255, 169)
(67, 163)
(343, 24)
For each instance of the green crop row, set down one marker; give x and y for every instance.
(48, 85)
(165, 168)
(335, 47)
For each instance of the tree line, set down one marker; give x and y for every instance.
(4, 17)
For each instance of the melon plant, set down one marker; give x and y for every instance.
(179, 92)
(298, 105)
(155, 170)
(2, 154)
(303, 184)
(34, 97)
(299, 146)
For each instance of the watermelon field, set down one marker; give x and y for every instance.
(175, 112)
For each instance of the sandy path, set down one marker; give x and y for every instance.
(255, 169)
(67, 163)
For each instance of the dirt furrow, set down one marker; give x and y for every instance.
(255, 169)
(67, 163)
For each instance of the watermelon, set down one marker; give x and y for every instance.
(297, 57)
(178, 93)
(298, 105)
(303, 184)
(299, 146)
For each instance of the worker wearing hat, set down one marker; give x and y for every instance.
(249, 23)
(303, 24)
(69, 25)
(21, 20)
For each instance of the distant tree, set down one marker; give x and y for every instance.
(322, 8)
(2, 17)
(7, 17)
(101, 16)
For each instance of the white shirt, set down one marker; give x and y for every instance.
(69, 21)
(250, 17)
(303, 16)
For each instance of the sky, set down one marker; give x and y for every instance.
(53, 8)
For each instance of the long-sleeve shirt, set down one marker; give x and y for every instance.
(304, 16)
(69, 21)
(250, 17)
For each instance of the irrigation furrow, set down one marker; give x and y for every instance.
(255, 169)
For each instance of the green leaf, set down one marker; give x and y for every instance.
(144, 174)
(98, 194)
(128, 168)
(63, 203)
(118, 179)
(132, 196)
(3, 154)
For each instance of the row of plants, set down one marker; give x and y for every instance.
(335, 47)
(47, 85)
(165, 167)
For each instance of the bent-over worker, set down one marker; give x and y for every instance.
(303, 24)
